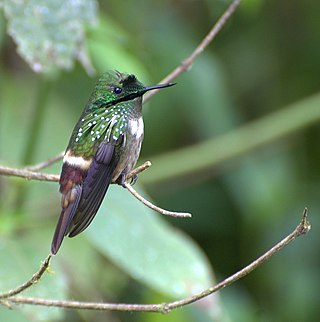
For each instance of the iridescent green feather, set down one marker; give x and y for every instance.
(102, 121)
(104, 125)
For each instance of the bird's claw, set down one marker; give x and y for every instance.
(133, 179)
(123, 179)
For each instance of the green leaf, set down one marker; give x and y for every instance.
(49, 34)
(109, 48)
(148, 248)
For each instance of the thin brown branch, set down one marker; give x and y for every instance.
(139, 169)
(29, 175)
(33, 280)
(46, 163)
(154, 207)
(147, 203)
(187, 63)
(301, 229)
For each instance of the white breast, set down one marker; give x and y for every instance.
(136, 127)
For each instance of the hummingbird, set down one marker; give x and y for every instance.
(104, 147)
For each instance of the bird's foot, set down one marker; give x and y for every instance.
(123, 179)
(133, 179)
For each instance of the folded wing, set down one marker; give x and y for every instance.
(84, 199)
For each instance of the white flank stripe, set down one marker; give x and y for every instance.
(79, 162)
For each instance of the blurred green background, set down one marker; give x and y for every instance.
(235, 142)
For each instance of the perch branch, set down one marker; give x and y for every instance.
(46, 163)
(147, 203)
(139, 169)
(154, 207)
(29, 175)
(301, 229)
(23, 173)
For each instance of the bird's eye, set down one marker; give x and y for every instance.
(117, 90)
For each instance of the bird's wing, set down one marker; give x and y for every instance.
(82, 201)
(94, 187)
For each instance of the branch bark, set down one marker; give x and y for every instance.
(30, 175)
(300, 230)
(46, 163)
(154, 207)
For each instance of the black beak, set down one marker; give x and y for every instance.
(150, 88)
(139, 93)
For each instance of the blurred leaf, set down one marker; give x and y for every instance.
(215, 151)
(108, 47)
(49, 34)
(208, 111)
(146, 247)
(240, 306)
(273, 178)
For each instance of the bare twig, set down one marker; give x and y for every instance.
(54, 177)
(139, 169)
(33, 280)
(27, 174)
(30, 174)
(46, 163)
(147, 203)
(301, 229)
(186, 64)
(153, 207)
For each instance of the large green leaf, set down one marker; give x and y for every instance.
(49, 34)
(148, 248)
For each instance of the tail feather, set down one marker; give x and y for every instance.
(65, 219)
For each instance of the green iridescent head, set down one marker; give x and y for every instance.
(116, 99)
(114, 87)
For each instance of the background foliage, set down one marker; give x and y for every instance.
(264, 66)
